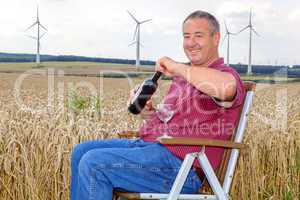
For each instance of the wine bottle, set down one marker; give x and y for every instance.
(143, 94)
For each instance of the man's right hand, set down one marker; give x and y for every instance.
(148, 110)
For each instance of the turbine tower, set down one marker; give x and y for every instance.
(227, 35)
(39, 36)
(137, 38)
(250, 26)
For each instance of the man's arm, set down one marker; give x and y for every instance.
(220, 85)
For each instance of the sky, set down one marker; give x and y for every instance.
(103, 28)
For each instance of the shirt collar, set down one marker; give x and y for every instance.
(216, 63)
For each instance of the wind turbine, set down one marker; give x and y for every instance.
(250, 26)
(39, 36)
(137, 38)
(227, 35)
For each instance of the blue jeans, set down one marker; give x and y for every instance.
(98, 167)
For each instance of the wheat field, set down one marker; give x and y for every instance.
(36, 140)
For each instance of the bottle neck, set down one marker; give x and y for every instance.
(156, 76)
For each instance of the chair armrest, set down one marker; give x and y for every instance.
(127, 195)
(128, 134)
(201, 142)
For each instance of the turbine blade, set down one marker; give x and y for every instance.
(255, 32)
(135, 32)
(141, 45)
(37, 13)
(226, 26)
(227, 31)
(224, 39)
(43, 26)
(145, 21)
(133, 17)
(43, 35)
(31, 37)
(250, 17)
(132, 43)
(243, 29)
(31, 26)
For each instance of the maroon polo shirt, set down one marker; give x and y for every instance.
(197, 115)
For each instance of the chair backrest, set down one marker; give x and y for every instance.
(230, 157)
(226, 169)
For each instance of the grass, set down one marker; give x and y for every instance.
(78, 103)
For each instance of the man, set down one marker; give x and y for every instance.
(206, 95)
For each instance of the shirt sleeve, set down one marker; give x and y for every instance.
(240, 92)
(171, 96)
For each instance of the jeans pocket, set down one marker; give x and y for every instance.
(170, 160)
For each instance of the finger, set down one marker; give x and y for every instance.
(159, 68)
(162, 69)
(165, 71)
(149, 105)
(149, 102)
(146, 114)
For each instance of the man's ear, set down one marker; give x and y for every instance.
(216, 38)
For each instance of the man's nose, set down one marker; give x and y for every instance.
(192, 42)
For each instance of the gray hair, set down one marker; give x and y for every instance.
(213, 22)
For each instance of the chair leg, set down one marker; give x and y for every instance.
(211, 177)
(181, 176)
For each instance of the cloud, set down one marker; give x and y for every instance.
(294, 15)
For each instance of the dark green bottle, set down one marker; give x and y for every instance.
(143, 94)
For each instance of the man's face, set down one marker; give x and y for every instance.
(199, 43)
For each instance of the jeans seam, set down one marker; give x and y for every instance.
(92, 185)
(140, 167)
(152, 169)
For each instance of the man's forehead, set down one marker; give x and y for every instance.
(194, 32)
(197, 25)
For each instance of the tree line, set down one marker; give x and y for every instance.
(241, 68)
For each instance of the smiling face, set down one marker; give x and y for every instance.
(200, 43)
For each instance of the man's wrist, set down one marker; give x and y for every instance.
(183, 71)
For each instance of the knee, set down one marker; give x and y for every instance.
(77, 152)
(84, 164)
(97, 159)
(92, 168)
(89, 162)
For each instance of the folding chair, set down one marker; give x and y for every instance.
(225, 172)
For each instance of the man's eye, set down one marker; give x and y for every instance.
(186, 36)
(199, 36)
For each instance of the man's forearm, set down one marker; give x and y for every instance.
(220, 85)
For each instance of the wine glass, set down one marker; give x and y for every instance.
(165, 113)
